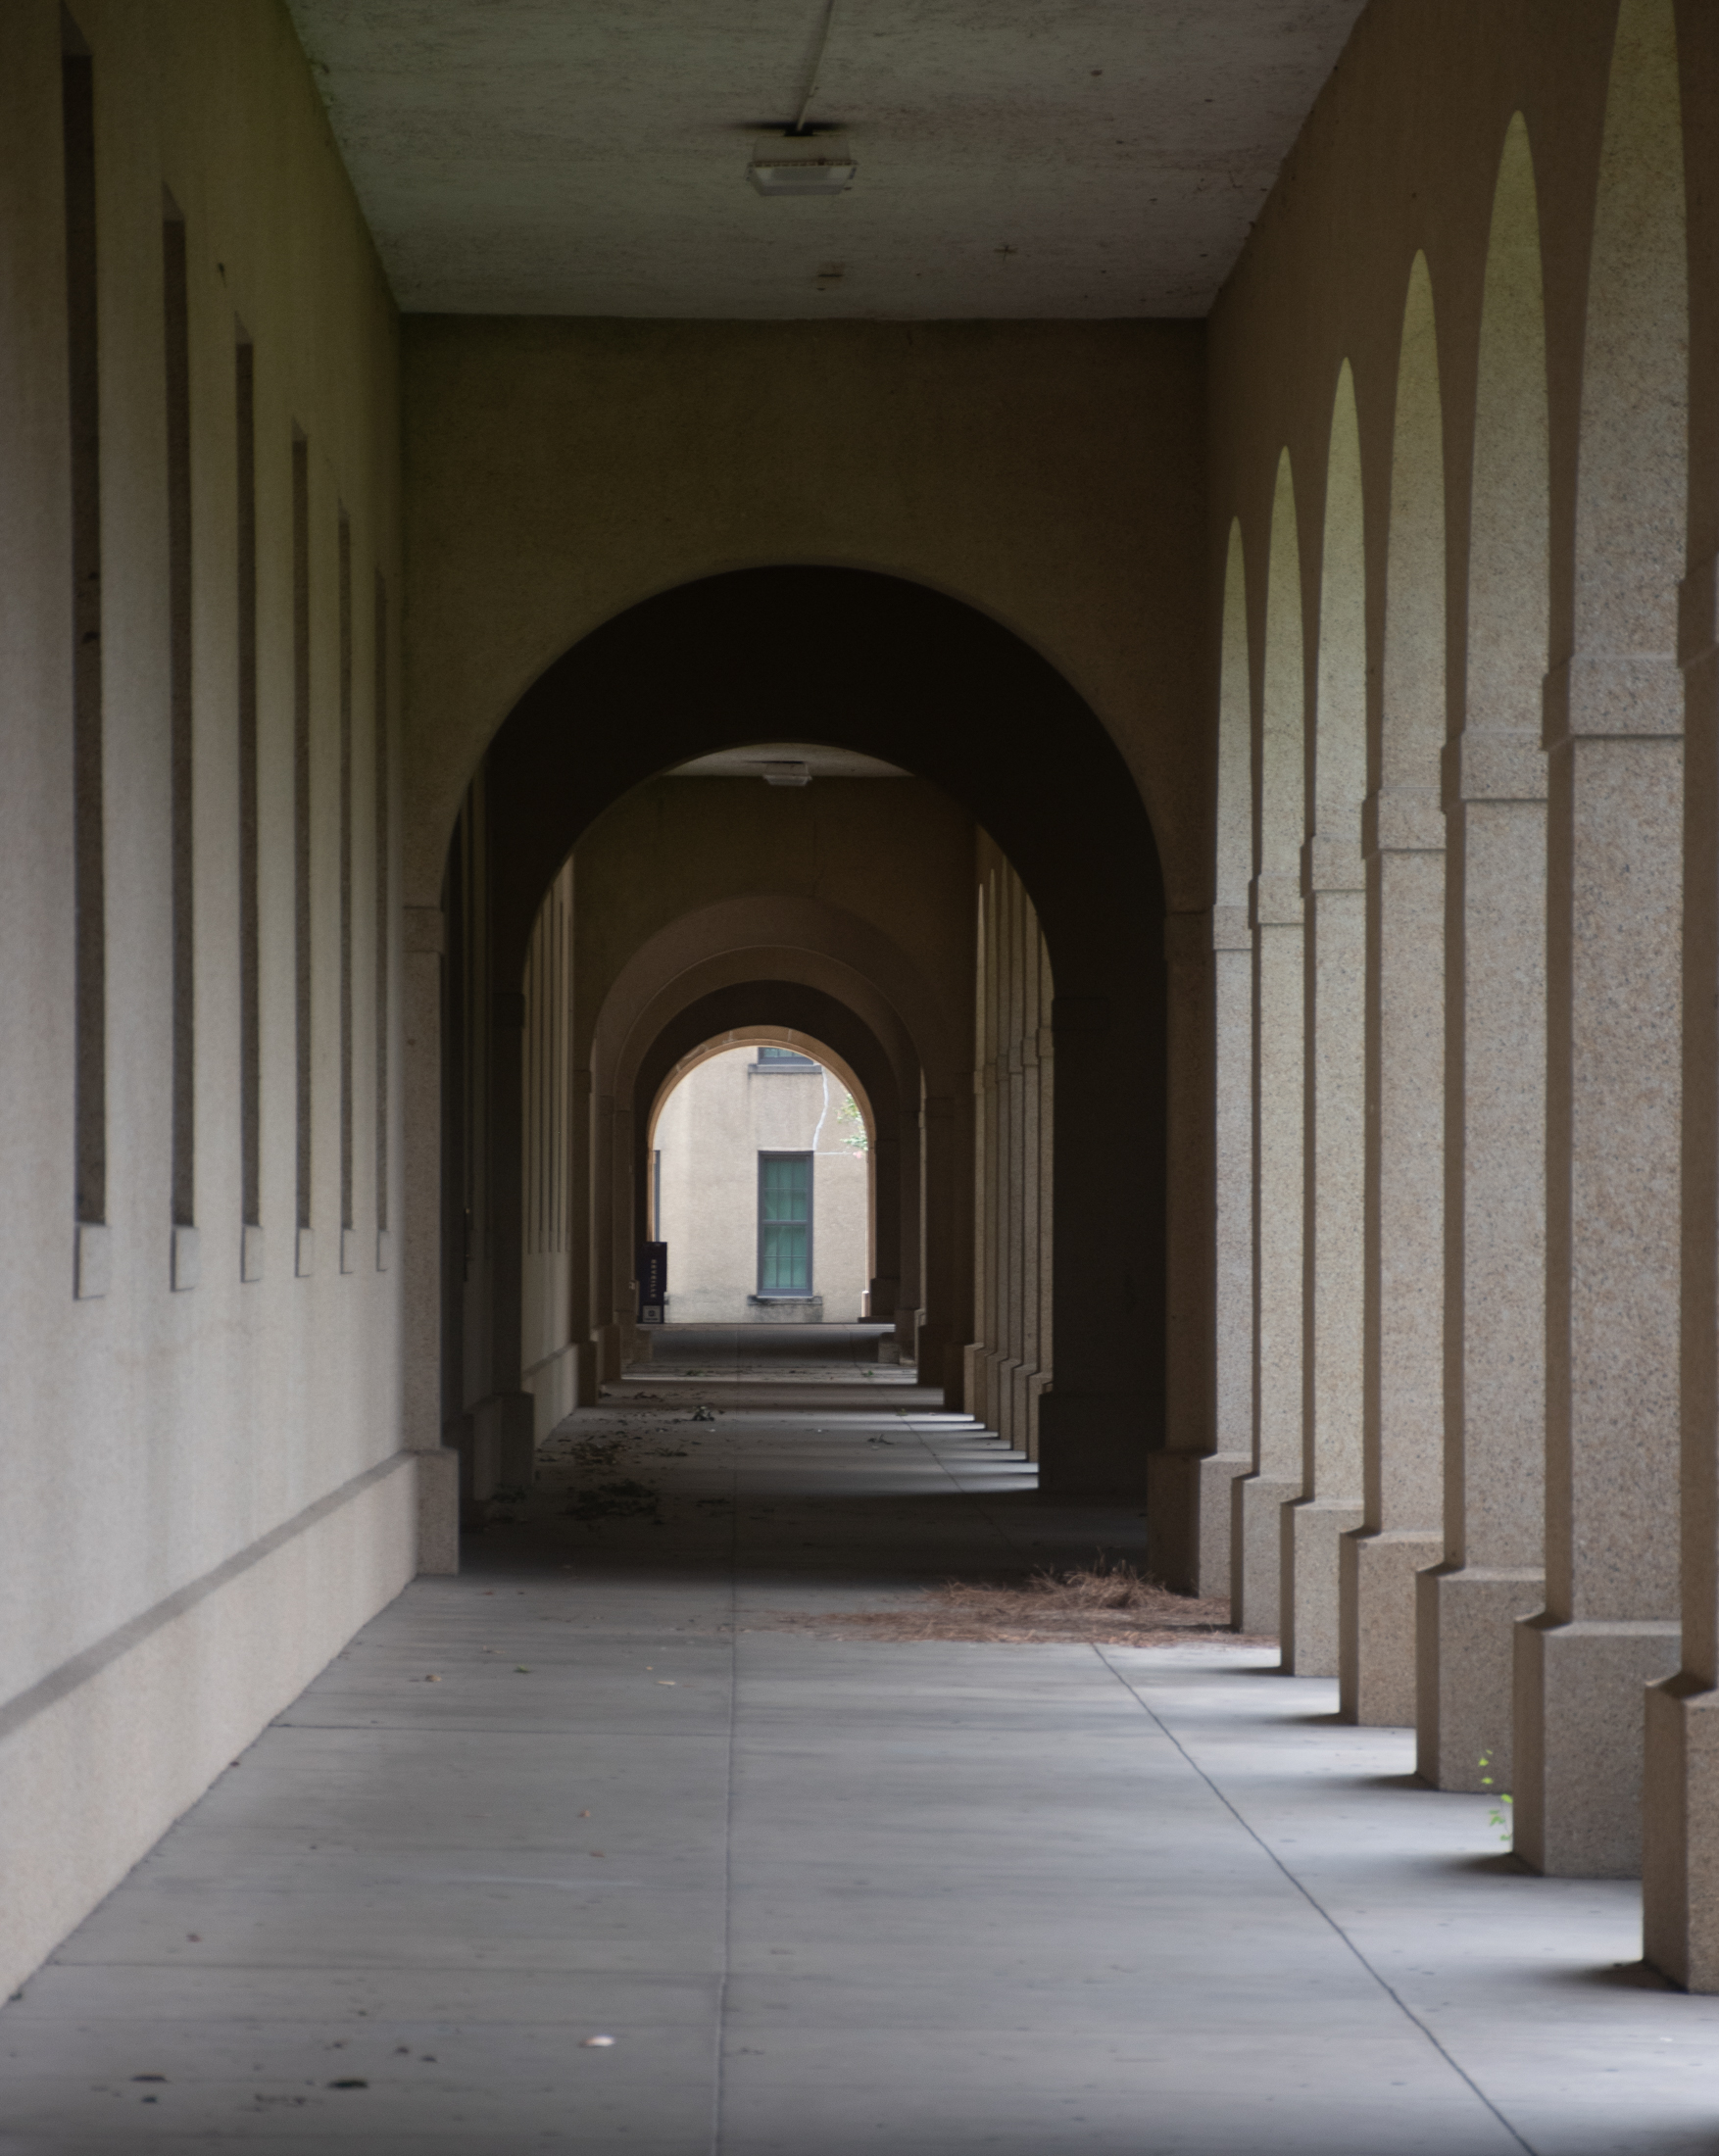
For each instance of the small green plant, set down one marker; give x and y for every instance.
(1499, 1815)
(853, 1135)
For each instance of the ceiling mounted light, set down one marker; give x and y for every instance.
(802, 164)
(786, 773)
(803, 161)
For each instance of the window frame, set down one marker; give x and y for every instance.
(786, 1152)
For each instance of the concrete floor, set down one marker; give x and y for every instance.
(833, 1896)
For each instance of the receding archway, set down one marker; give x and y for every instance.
(907, 675)
(700, 1163)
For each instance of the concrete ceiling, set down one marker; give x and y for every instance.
(1017, 158)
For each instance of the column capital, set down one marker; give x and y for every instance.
(1230, 928)
(1403, 820)
(1332, 864)
(1614, 696)
(1276, 901)
(1488, 767)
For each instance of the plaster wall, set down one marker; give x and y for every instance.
(560, 471)
(712, 1127)
(205, 1489)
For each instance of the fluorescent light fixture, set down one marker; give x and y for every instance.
(802, 164)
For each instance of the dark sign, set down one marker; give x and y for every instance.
(653, 1282)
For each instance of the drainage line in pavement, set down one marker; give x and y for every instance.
(1395, 1998)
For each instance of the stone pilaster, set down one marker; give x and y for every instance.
(1258, 1497)
(1680, 1812)
(1614, 1068)
(1334, 884)
(1495, 1437)
(1404, 840)
(421, 1204)
(1207, 955)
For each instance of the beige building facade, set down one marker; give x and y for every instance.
(760, 1180)
(1287, 979)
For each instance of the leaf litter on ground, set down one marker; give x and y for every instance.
(1107, 1603)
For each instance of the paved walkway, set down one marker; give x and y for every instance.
(830, 1895)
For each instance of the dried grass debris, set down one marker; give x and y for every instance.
(1108, 1603)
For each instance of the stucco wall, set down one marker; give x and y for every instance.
(1046, 472)
(204, 1495)
(712, 1129)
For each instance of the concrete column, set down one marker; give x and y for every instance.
(1189, 1490)
(1403, 1424)
(1610, 1623)
(1614, 918)
(976, 1361)
(1008, 1372)
(602, 1201)
(1230, 1263)
(989, 1168)
(1495, 786)
(504, 1417)
(886, 1199)
(1046, 1176)
(910, 1173)
(940, 1340)
(1679, 1856)
(1102, 1419)
(1495, 1435)
(420, 1244)
(1333, 1289)
(1279, 1052)
(623, 1215)
(1034, 1227)
(583, 1230)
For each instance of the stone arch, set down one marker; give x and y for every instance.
(925, 683)
(1337, 934)
(774, 935)
(758, 1034)
(890, 1092)
(859, 1062)
(775, 958)
(1494, 1425)
(1402, 1370)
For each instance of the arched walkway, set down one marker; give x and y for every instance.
(922, 683)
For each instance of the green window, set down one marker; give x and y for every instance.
(784, 1223)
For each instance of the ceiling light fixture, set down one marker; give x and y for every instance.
(802, 165)
(794, 774)
(801, 161)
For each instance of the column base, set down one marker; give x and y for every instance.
(1578, 1740)
(1466, 1635)
(438, 1510)
(1020, 1405)
(972, 1389)
(1003, 1398)
(1257, 1550)
(1679, 1833)
(1310, 1529)
(1187, 1518)
(1376, 1622)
